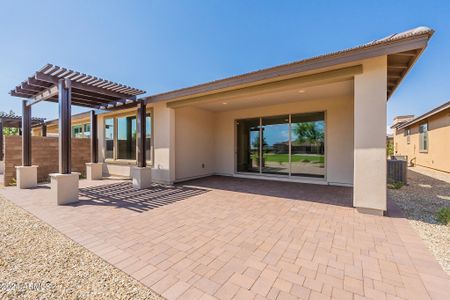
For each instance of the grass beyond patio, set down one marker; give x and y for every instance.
(284, 158)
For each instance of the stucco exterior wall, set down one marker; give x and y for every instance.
(370, 136)
(339, 134)
(194, 155)
(438, 154)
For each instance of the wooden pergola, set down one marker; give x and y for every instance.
(67, 87)
(13, 121)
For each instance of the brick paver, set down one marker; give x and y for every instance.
(229, 238)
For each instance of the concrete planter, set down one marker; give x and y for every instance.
(26, 176)
(142, 177)
(64, 187)
(94, 171)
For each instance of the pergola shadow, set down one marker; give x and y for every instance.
(124, 195)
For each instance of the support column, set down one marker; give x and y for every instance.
(94, 169)
(1, 140)
(64, 184)
(44, 129)
(142, 176)
(26, 175)
(141, 127)
(369, 179)
(65, 121)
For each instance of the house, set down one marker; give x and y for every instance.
(81, 126)
(425, 140)
(329, 109)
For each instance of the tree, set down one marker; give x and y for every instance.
(10, 130)
(309, 132)
(390, 148)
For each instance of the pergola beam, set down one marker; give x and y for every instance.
(45, 94)
(117, 103)
(82, 86)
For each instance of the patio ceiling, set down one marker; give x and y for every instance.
(86, 90)
(296, 93)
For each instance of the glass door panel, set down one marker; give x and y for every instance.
(308, 145)
(275, 145)
(248, 145)
(126, 138)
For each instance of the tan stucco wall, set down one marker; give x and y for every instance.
(194, 155)
(438, 155)
(52, 129)
(370, 135)
(339, 134)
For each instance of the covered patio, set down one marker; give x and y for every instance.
(233, 238)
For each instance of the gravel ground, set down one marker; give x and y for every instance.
(38, 262)
(426, 192)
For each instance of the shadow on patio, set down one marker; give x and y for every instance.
(123, 195)
(334, 195)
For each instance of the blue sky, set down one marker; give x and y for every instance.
(164, 45)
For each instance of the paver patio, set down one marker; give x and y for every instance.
(230, 238)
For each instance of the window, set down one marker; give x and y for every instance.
(126, 138)
(87, 130)
(408, 135)
(121, 138)
(81, 131)
(148, 137)
(423, 137)
(109, 138)
(77, 131)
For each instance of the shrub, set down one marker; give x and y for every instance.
(443, 215)
(12, 182)
(395, 185)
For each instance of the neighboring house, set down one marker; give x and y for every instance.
(320, 120)
(425, 140)
(81, 127)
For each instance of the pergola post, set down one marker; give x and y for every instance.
(65, 183)
(94, 139)
(1, 139)
(44, 129)
(26, 174)
(26, 134)
(94, 169)
(142, 176)
(140, 125)
(65, 121)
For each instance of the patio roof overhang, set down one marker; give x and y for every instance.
(402, 51)
(87, 90)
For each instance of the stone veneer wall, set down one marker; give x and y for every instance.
(44, 154)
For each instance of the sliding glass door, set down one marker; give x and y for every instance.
(289, 145)
(248, 145)
(308, 145)
(275, 145)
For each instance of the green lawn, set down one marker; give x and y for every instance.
(281, 158)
